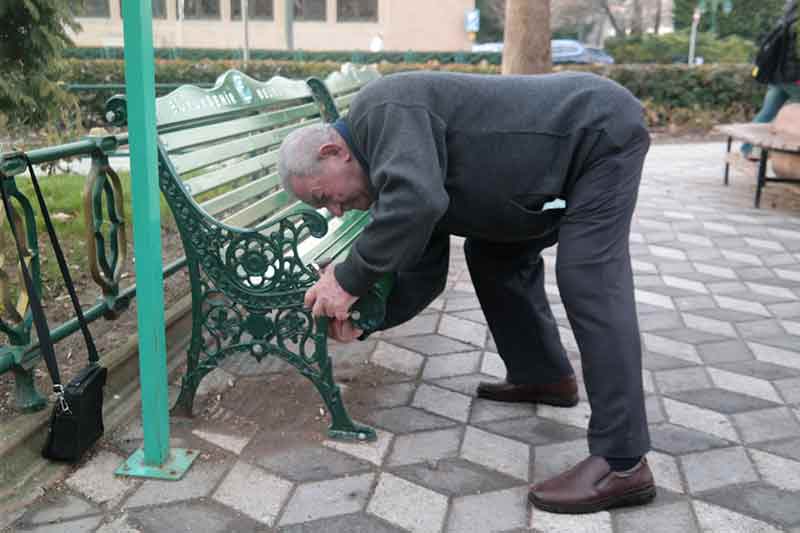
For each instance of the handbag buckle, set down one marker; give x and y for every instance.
(62, 402)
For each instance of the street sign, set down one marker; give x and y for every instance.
(472, 22)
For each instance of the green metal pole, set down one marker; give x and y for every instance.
(156, 459)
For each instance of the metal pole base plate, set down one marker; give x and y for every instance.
(173, 469)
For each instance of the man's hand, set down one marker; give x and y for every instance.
(328, 298)
(343, 331)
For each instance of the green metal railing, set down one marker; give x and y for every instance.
(106, 238)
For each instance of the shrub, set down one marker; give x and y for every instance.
(674, 48)
(673, 94)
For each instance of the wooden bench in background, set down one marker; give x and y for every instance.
(770, 143)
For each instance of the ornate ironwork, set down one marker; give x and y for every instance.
(247, 296)
(108, 251)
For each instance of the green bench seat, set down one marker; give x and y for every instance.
(251, 248)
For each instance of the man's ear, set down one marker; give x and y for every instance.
(329, 150)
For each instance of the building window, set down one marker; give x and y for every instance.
(357, 11)
(159, 9)
(200, 9)
(309, 9)
(256, 9)
(95, 8)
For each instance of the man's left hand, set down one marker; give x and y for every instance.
(328, 298)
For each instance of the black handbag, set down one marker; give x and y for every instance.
(77, 418)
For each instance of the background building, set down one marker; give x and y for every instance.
(419, 25)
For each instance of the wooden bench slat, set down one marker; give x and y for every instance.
(335, 242)
(225, 151)
(240, 195)
(229, 173)
(762, 135)
(182, 139)
(261, 209)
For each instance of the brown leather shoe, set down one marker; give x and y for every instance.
(561, 394)
(591, 486)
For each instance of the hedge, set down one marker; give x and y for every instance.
(673, 94)
(354, 56)
(674, 48)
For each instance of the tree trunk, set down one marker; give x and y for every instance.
(637, 18)
(619, 31)
(657, 23)
(526, 48)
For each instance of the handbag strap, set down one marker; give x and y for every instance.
(39, 318)
(62, 265)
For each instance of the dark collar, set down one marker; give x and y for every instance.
(344, 130)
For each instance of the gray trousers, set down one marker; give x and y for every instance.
(595, 279)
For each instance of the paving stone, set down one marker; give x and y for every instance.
(253, 492)
(455, 477)
(762, 370)
(425, 447)
(373, 452)
(666, 471)
(664, 346)
(655, 413)
(577, 416)
(721, 400)
(96, 479)
(655, 362)
(310, 463)
(726, 351)
(408, 505)
(534, 430)
(700, 419)
(195, 516)
(475, 315)
(728, 315)
(673, 518)
(442, 402)
(198, 482)
(767, 424)
(553, 459)
(761, 502)
(465, 384)
(462, 303)
(397, 359)
(392, 395)
(681, 379)
(654, 299)
(735, 381)
(778, 356)
(233, 439)
(785, 310)
(676, 440)
(778, 471)
(59, 506)
(324, 499)
(489, 512)
(788, 448)
(691, 336)
(353, 523)
(451, 365)
(81, 525)
(543, 522)
(433, 344)
(493, 365)
(489, 411)
(408, 419)
(657, 321)
(496, 453)
(689, 303)
(419, 325)
(717, 468)
(789, 389)
(463, 330)
(119, 525)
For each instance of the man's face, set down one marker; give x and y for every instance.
(340, 186)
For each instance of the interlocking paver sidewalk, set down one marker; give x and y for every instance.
(718, 291)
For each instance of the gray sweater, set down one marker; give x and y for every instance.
(475, 156)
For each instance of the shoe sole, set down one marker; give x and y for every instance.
(637, 497)
(555, 401)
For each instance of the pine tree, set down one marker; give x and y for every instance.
(33, 34)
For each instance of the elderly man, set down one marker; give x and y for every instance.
(514, 164)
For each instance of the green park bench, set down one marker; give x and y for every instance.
(251, 248)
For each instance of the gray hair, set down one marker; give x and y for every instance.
(299, 152)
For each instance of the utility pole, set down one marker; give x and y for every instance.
(288, 23)
(245, 20)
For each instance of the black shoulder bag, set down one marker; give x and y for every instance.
(77, 418)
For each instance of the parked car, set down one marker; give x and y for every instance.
(564, 51)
